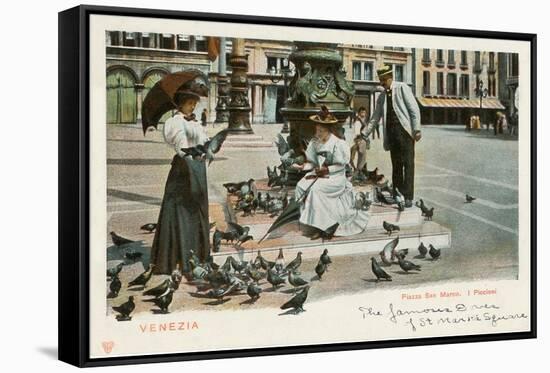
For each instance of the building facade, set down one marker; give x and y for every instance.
(445, 82)
(448, 82)
(137, 61)
(508, 74)
(361, 63)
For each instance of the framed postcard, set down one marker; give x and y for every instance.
(237, 186)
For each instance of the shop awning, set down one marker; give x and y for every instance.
(488, 103)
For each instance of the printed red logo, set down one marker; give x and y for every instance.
(108, 346)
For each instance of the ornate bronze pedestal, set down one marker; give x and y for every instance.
(318, 80)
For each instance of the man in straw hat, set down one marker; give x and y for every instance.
(397, 106)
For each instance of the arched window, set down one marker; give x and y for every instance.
(121, 96)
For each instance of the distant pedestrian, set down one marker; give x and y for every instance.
(204, 118)
(471, 123)
(503, 123)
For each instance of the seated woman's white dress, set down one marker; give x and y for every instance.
(330, 200)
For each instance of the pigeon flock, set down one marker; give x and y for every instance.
(219, 282)
(390, 256)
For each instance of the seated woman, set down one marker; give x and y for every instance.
(329, 205)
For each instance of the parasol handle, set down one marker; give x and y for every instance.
(299, 201)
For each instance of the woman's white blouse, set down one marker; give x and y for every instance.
(335, 146)
(180, 133)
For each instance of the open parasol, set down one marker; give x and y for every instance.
(160, 98)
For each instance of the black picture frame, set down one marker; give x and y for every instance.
(74, 166)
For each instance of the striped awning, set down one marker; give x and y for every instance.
(488, 103)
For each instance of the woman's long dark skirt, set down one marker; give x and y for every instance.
(183, 220)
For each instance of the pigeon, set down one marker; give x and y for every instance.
(125, 309)
(274, 279)
(282, 145)
(422, 250)
(163, 301)
(272, 176)
(217, 279)
(372, 175)
(254, 275)
(142, 279)
(295, 264)
(325, 259)
(216, 240)
(280, 181)
(434, 253)
(390, 227)
(249, 186)
(194, 256)
(380, 197)
(378, 271)
(114, 287)
(297, 302)
(210, 265)
(429, 214)
(420, 204)
(280, 261)
(264, 263)
(219, 293)
(399, 199)
(214, 145)
(197, 271)
(362, 202)
(227, 236)
(133, 255)
(295, 280)
(114, 271)
(149, 227)
(172, 282)
(470, 199)
(233, 188)
(403, 253)
(226, 266)
(118, 240)
(253, 291)
(407, 265)
(320, 269)
(387, 254)
(242, 232)
(238, 266)
(209, 148)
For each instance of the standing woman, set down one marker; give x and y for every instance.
(183, 220)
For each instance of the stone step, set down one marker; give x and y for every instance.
(368, 242)
(247, 144)
(244, 138)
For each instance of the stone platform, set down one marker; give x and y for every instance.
(247, 141)
(414, 229)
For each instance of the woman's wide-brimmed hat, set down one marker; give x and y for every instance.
(195, 88)
(323, 116)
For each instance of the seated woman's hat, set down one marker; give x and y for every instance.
(324, 116)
